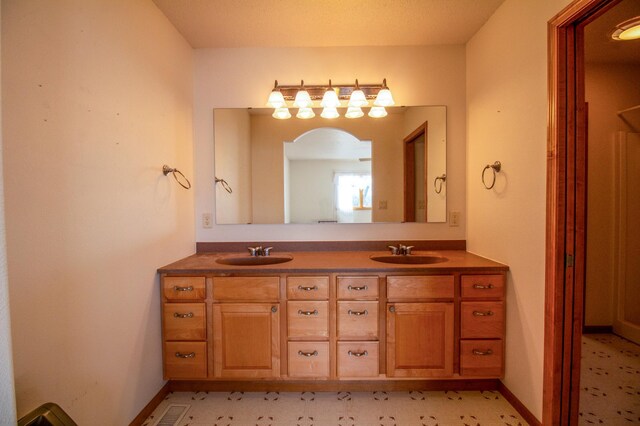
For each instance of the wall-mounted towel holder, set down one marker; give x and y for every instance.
(224, 184)
(442, 179)
(166, 170)
(495, 168)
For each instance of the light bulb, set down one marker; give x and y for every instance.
(377, 112)
(330, 99)
(305, 113)
(281, 113)
(330, 112)
(303, 100)
(384, 98)
(276, 100)
(354, 112)
(357, 98)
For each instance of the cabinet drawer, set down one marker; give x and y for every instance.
(358, 359)
(183, 288)
(481, 358)
(357, 287)
(357, 320)
(308, 319)
(184, 321)
(185, 360)
(482, 286)
(309, 359)
(307, 288)
(481, 320)
(420, 287)
(246, 288)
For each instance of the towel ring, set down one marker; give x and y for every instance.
(442, 179)
(166, 170)
(495, 168)
(224, 184)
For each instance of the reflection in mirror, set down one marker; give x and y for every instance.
(318, 170)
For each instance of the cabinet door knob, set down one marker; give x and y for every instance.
(483, 286)
(358, 354)
(358, 313)
(178, 315)
(189, 355)
(358, 288)
(482, 314)
(314, 288)
(392, 309)
(483, 353)
(307, 313)
(177, 288)
(308, 354)
(274, 309)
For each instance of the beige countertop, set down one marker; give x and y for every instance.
(332, 261)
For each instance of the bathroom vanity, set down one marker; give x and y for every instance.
(333, 318)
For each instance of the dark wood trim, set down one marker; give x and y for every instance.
(293, 246)
(566, 209)
(409, 154)
(518, 405)
(331, 385)
(597, 329)
(151, 406)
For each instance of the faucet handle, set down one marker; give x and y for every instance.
(407, 249)
(394, 250)
(252, 251)
(267, 251)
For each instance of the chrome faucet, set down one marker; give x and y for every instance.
(259, 251)
(401, 250)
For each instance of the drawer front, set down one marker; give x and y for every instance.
(481, 320)
(482, 286)
(358, 359)
(420, 287)
(185, 360)
(357, 320)
(481, 358)
(308, 319)
(184, 321)
(183, 288)
(246, 288)
(307, 288)
(358, 287)
(308, 359)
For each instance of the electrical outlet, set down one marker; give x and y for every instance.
(454, 219)
(207, 220)
(382, 205)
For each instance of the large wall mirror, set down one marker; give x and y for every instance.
(362, 170)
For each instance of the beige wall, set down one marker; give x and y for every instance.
(431, 75)
(97, 96)
(609, 88)
(507, 121)
(7, 391)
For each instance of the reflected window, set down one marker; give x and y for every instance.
(353, 197)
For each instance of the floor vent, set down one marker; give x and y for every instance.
(172, 415)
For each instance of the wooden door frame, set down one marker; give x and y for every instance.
(566, 211)
(409, 160)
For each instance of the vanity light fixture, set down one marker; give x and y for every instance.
(627, 30)
(331, 98)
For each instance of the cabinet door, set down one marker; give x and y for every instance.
(246, 340)
(420, 339)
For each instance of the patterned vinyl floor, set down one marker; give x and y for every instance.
(419, 408)
(609, 381)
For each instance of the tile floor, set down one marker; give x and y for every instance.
(609, 381)
(419, 408)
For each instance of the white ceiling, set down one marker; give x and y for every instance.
(600, 47)
(325, 23)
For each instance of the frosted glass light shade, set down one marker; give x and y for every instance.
(276, 100)
(330, 99)
(305, 113)
(384, 98)
(354, 112)
(303, 100)
(281, 113)
(358, 99)
(330, 112)
(377, 112)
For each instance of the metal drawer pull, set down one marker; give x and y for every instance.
(177, 315)
(483, 287)
(482, 314)
(189, 355)
(357, 313)
(308, 354)
(358, 354)
(190, 288)
(307, 313)
(314, 288)
(358, 288)
(479, 352)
